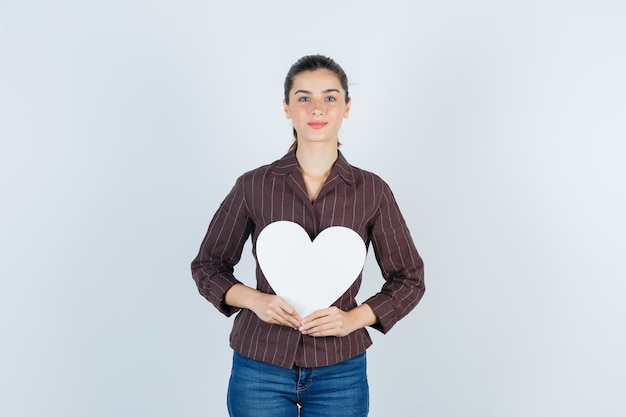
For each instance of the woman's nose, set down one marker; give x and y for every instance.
(318, 107)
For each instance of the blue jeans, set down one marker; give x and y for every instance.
(258, 389)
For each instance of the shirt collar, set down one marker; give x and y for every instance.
(288, 165)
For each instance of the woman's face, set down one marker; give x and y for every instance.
(317, 106)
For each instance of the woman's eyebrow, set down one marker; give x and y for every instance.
(329, 90)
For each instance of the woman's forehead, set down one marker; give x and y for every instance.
(320, 79)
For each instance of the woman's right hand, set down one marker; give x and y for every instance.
(268, 307)
(275, 310)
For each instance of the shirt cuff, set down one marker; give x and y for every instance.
(221, 285)
(385, 312)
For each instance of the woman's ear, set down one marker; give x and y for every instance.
(347, 111)
(286, 108)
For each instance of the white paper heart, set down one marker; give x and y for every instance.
(309, 275)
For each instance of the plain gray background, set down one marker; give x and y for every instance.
(500, 126)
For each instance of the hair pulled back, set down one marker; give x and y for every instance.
(312, 63)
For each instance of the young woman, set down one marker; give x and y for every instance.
(285, 364)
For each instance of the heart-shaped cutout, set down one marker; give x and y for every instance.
(309, 275)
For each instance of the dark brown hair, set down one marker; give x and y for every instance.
(312, 63)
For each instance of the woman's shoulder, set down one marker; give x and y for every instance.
(279, 167)
(367, 177)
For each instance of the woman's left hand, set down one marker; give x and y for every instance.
(333, 321)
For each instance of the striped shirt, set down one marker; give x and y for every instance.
(350, 197)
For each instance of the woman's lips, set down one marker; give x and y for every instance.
(317, 125)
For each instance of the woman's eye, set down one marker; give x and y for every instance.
(303, 99)
(331, 99)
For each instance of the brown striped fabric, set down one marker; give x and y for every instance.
(351, 197)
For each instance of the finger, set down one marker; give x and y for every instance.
(321, 324)
(295, 318)
(288, 319)
(290, 314)
(323, 330)
(292, 321)
(286, 307)
(315, 322)
(318, 314)
(281, 319)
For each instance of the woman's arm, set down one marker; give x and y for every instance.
(400, 264)
(221, 248)
(220, 251)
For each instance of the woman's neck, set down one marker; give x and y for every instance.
(316, 161)
(315, 164)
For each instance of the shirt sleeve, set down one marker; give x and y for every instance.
(401, 265)
(220, 251)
